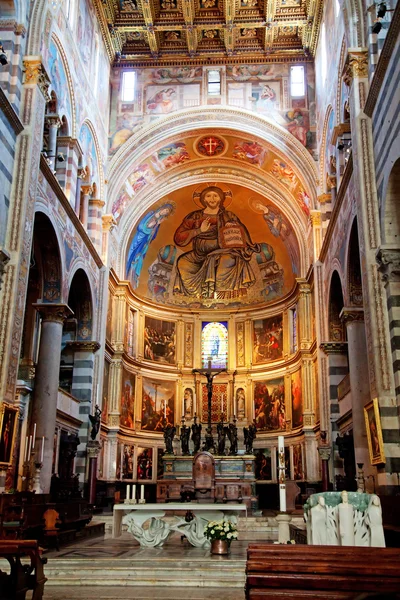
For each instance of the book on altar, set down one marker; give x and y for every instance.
(232, 235)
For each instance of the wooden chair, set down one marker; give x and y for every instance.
(51, 519)
(22, 578)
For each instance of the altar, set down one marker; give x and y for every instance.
(145, 521)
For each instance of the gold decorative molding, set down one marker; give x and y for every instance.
(108, 222)
(55, 313)
(82, 346)
(324, 198)
(316, 219)
(338, 131)
(35, 74)
(334, 347)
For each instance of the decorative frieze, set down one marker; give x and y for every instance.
(334, 347)
(56, 313)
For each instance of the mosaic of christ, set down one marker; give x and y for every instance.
(212, 245)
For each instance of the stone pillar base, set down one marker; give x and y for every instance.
(283, 520)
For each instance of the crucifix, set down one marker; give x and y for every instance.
(209, 373)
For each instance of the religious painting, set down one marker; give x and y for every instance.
(160, 464)
(267, 339)
(189, 344)
(106, 381)
(89, 159)
(129, 330)
(170, 156)
(159, 340)
(84, 31)
(374, 433)
(127, 415)
(59, 84)
(219, 402)
(267, 96)
(214, 345)
(269, 405)
(162, 100)
(240, 402)
(200, 248)
(146, 231)
(240, 344)
(188, 403)
(263, 464)
(298, 462)
(127, 455)
(158, 404)
(297, 400)
(8, 425)
(144, 463)
(140, 177)
(251, 152)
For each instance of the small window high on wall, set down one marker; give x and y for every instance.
(214, 345)
(128, 86)
(297, 87)
(214, 82)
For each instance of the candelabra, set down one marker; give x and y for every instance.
(360, 478)
(36, 480)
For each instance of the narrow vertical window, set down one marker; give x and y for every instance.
(128, 86)
(297, 87)
(214, 82)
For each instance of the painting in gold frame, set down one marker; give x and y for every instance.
(374, 432)
(8, 423)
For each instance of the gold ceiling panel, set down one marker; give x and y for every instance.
(135, 30)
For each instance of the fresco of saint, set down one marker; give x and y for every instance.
(218, 266)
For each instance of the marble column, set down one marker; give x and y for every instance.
(54, 124)
(86, 191)
(359, 380)
(93, 451)
(44, 406)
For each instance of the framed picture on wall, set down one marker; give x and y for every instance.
(374, 432)
(8, 422)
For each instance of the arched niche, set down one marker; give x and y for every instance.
(335, 326)
(391, 213)
(355, 291)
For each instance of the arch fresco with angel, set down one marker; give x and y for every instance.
(211, 244)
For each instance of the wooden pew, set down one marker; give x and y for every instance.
(331, 572)
(22, 577)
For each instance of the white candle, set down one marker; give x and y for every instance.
(42, 455)
(281, 465)
(142, 492)
(26, 449)
(34, 436)
(134, 492)
(282, 498)
(29, 447)
(222, 404)
(127, 492)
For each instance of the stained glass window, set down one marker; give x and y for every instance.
(214, 345)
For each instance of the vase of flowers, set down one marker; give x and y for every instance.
(221, 534)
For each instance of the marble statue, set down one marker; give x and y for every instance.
(231, 430)
(95, 421)
(318, 522)
(373, 519)
(184, 437)
(152, 537)
(193, 531)
(346, 521)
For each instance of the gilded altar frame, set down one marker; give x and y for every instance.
(374, 432)
(8, 429)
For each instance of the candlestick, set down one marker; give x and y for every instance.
(127, 492)
(34, 436)
(134, 492)
(29, 447)
(142, 492)
(42, 454)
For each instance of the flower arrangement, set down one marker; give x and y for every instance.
(221, 530)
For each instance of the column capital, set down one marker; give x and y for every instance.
(325, 452)
(56, 313)
(53, 120)
(83, 346)
(35, 74)
(315, 216)
(324, 198)
(356, 65)
(304, 286)
(87, 189)
(108, 222)
(82, 173)
(352, 315)
(96, 202)
(93, 448)
(388, 260)
(334, 347)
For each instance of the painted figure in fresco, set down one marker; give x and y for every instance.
(297, 125)
(218, 266)
(146, 232)
(162, 102)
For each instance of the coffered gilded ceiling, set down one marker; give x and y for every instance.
(139, 31)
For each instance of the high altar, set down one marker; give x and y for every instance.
(207, 478)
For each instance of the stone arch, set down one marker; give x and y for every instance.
(80, 300)
(336, 330)
(390, 227)
(99, 166)
(354, 280)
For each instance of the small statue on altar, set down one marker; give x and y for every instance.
(184, 437)
(221, 437)
(196, 434)
(249, 437)
(169, 434)
(233, 438)
(95, 421)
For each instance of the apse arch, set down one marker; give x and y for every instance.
(81, 301)
(336, 329)
(48, 246)
(354, 291)
(213, 118)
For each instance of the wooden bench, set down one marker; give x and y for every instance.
(22, 577)
(331, 572)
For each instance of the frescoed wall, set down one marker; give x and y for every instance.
(127, 414)
(144, 463)
(158, 404)
(199, 247)
(59, 83)
(297, 400)
(269, 405)
(267, 339)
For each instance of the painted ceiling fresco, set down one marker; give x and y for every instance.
(162, 29)
(209, 146)
(212, 245)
